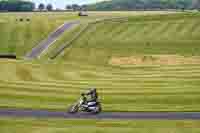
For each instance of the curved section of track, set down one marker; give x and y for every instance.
(103, 115)
(42, 46)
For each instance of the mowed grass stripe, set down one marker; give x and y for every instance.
(140, 86)
(161, 27)
(195, 32)
(132, 81)
(138, 31)
(107, 126)
(192, 97)
(128, 103)
(139, 73)
(118, 29)
(152, 28)
(170, 31)
(136, 88)
(74, 65)
(137, 70)
(134, 29)
(148, 27)
(183, 29)
(131, 91)
(130, 31)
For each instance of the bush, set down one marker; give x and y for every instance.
(21, 19)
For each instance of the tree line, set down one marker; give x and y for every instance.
(48, 7)
(145, 4)
(16, 5)
(21, 5)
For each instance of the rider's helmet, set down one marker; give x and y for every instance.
(94, 94)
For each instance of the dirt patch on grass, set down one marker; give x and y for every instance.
(24, 74)
(155, 60)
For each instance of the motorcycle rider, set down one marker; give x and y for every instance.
(88, 103)
(92, 93)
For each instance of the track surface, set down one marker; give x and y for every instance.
(42, 46)
(104, 115)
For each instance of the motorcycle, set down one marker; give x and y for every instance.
(82, 105)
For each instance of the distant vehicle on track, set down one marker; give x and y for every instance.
(82, 13)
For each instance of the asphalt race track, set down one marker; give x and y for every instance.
(103, 115)
(42, 46)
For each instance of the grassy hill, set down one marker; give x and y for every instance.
(139, 88)
(20, 36)
(143, 36)
(143, 63)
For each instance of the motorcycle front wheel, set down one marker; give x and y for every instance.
(97, 110)
(73, 109)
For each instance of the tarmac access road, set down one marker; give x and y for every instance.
(103, 115)
(43, 45)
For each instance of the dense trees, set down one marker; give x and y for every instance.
(68, 7)
(145, 4)
(49, 7)
(75, 7)
(41, 6)
(16, 5)
(25, 5)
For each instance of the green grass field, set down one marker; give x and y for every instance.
(20, 36)
(8, 125)
(175, 34)
(140, 88)
(144, 63)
